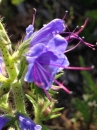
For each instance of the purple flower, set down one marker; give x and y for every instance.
(46, 33)
(46, 61)
(29, 32)
(26, 123)
(3, 121)
(46, 53)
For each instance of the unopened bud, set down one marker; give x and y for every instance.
(48, 110)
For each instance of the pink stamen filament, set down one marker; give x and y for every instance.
(69, 67)
(75, 29)
(82, 27)
(73, 47)
(34, 14)
(35, 80)
(42, 85)
(65, 14)
(74, 36)
(60, 85)
(43, 75)
(87, 44)
(78, 68)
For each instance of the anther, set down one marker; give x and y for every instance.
(82, 27)
(75, 29)
(83, 37)
(92, 66)
(65, 14)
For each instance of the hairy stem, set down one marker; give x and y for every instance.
(18, 97)
(10, 66)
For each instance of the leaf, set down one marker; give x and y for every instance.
(16, 2)
(44, 127)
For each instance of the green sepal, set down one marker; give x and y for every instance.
(44, 109)
(37, 91)
(57, 109)
(22, 49)
(59, 75)
(54, 116)
(44, 127)
(23, 46)
(4, 107)
(33, 103)
(53, 92)
(22, 66)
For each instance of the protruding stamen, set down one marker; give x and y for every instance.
(82, 27)
(74, 36)
(41, 84)
(60, 85)
(70, 67)
(67, 28)
(79, 68)
(75, 29)
(65, 89)
(34, 14)
(65, 14)
(73, 47)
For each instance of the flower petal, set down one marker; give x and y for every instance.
(3, 121)
(58, 42)
(29, 77)
(26, 123)
(42, 61)
(48, 64)
(29, 31)
(48, 32)
(35, 52)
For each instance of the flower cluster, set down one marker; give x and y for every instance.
(46, 53)
(43, 54)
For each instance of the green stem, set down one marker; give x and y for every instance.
(3, 29)
(8, 62)
(18, 97)
(4, 40)
(4, 88)
(37, 118)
